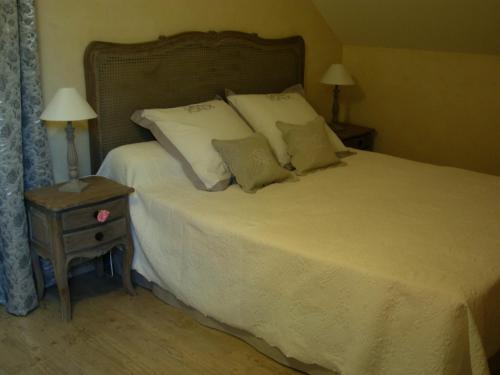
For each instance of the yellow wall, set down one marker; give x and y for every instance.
(436, 107)
(67, 26)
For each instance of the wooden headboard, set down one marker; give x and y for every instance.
(178, 70)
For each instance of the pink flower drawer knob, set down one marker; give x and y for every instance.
(102, 215)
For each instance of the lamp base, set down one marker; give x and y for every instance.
(73, 186)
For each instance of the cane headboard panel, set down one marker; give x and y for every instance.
(179, 70)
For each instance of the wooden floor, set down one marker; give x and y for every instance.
(113, 333)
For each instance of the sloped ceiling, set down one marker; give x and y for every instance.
(471, 26)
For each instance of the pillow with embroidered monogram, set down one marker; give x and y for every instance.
(263, 111)
(251, 161)
(308, 145)
(297, 88)
(186, 133)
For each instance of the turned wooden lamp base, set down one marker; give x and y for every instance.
(74, 185)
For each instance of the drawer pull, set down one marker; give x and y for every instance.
(99, 236)
(102, 215)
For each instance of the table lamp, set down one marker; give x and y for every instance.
(67, 105)
(336, 75)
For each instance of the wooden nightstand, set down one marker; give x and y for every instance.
(356, 136)
(63, 227)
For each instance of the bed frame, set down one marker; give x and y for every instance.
(178, 70)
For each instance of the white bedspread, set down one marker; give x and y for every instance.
(382, 266)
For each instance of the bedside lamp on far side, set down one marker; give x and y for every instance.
(67, 105)
(336, 75)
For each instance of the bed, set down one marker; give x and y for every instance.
(380, 266)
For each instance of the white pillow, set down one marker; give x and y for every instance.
(187, 132)
(263, 111)
(144, 164)
(297, 88)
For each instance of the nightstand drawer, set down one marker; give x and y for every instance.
(362, 143)
(95, 236)
(86, 216)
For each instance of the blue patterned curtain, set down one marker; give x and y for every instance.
(24, 153)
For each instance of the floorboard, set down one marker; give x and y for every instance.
(113, 333)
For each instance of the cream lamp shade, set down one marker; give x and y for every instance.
(68, 105)
(337, 75)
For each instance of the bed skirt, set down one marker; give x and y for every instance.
(258, 343)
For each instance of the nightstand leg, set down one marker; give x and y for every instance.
(61, 273)
(128, 255)
(37, 270)
(60, 268)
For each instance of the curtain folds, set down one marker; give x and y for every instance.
(24, 153)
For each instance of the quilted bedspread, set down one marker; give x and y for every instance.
(378, 266)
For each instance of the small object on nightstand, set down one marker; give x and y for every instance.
(336, 127)
(355, 136)
(64, 227)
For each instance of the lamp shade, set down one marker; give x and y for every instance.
(337, 75)
(68, 105)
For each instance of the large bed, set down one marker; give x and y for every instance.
(378, 266)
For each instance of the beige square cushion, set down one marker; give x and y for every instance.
(251, 161)
(308, 145)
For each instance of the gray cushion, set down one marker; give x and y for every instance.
(308, 145)
(251, 161)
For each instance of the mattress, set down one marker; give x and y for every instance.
(378, 266)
